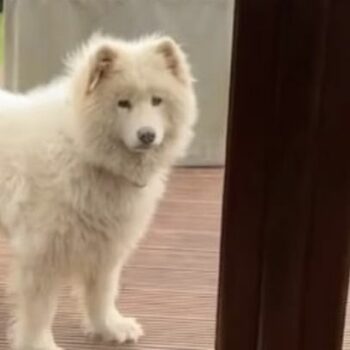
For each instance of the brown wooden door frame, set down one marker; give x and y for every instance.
(285, 237)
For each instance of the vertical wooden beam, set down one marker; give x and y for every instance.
(285, 242)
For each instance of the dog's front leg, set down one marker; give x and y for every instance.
(36, 296)
(103, 318)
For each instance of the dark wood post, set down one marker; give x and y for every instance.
(285, 242)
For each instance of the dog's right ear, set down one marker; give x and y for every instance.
(102, 65)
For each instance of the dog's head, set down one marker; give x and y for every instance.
(134, 96)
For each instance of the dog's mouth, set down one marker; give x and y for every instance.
(141, 148)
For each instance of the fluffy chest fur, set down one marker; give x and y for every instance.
(54, 204)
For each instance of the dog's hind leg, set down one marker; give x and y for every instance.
(35, 296)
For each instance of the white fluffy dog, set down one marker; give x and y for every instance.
(83, 162)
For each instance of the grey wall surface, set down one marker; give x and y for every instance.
(39, 33)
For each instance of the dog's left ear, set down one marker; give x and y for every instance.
(102, 65)
(175, 59)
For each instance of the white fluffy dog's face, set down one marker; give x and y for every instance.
(142, 119)
(138, 95)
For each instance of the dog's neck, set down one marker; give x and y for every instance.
(104, 172)
(134, 168)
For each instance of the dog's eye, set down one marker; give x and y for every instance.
(156, 101)
(124, 104)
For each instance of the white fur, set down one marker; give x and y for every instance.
(76, 192)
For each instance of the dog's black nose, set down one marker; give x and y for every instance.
(146, 136)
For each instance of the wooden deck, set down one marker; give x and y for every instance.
(171, 283)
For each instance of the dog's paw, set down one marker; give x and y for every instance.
(19, 341)
(120, 330)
